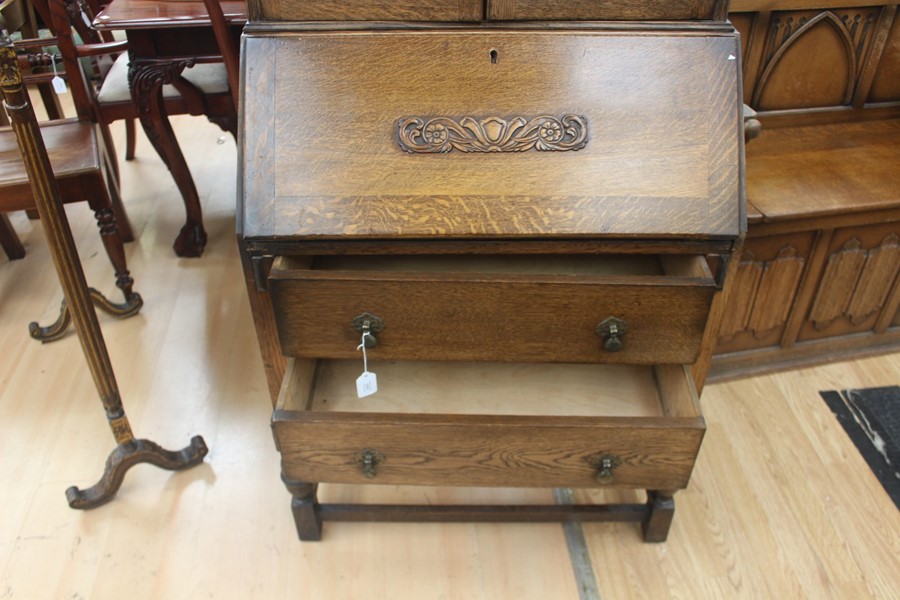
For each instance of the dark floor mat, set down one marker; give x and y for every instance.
(871, 417)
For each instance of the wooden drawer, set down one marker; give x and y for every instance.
(496, 424)
(597, 10)
(493, 308)
(365, 10)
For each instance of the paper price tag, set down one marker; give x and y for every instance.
(366, 384)
(59, 85)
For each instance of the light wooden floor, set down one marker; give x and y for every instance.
(780, 506)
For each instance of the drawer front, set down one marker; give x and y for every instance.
(643, 10)
(467, 450)
(496, 424)
(454, 316)
(365, 10)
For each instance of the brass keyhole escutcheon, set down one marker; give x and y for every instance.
(612, 330)
(368, 459)
(605, 465)
(368, 323)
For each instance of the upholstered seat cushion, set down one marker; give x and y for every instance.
(209, 79)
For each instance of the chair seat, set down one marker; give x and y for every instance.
(210, 78)
(66, 143)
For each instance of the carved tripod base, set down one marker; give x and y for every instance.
(58, 328)
(126, 456)
(655, 516)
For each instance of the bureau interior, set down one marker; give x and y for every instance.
(691, 266)
(440, 387)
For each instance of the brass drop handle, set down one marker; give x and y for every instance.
(368, 460)
(605, 464)
(368, 325)
(612, 330)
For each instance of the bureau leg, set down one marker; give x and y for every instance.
(305, 507)
(662, 509)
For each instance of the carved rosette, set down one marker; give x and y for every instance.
(492, 134)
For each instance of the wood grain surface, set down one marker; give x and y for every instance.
(638, 10)
(365, 10)
(662, 156)
(488, 449)
(512, 316)
(846, 168)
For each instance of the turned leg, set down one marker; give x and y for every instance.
(147, 79)
(112, 242)
(662, 510)
(305, 505)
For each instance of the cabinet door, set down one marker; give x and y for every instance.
(764, 291)
(856, 281)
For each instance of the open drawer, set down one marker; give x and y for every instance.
(493, 424)
(495, 308)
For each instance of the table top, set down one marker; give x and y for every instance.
(155, 14)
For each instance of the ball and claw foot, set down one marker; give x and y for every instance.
(191, 241)
(126, 456)
(60, 327)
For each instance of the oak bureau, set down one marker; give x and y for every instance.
(516, 214)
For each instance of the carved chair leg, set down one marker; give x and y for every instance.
(11, 243)
(58, 328)
(305, 507)
(662, 510)
(147, 79)
(130, 139)
(112, 242)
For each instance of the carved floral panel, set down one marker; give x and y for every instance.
(429, 135)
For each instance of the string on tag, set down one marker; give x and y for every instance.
(362, 346)
(367, 383)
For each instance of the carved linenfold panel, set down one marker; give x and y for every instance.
(813, 58)
(743, 292)
(429, 135)
(838, 284)
(876, 280)
(776, 292)
(762, 294)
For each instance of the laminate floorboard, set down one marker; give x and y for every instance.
(780, 505)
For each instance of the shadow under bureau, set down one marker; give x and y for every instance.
(519, 228)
